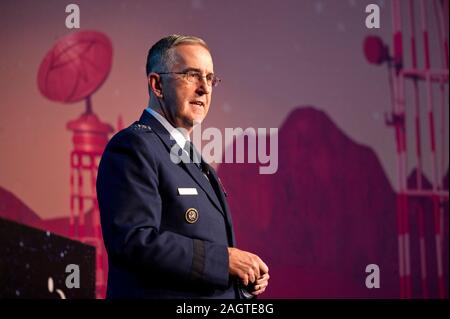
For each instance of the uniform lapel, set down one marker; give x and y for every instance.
(215, 179)
(191, 168)
(201, 180)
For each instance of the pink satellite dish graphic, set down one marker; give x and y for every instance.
(75, 67)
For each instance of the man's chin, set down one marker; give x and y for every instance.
(197, 121)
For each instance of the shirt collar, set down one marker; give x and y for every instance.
(175, 134)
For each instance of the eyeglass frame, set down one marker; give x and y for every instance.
(199, 76)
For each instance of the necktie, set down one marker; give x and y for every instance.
(194, 155)
(196, 158)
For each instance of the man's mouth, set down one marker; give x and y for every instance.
(199, 103)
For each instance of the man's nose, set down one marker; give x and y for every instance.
(203, 87)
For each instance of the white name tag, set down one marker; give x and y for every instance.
(187, 191)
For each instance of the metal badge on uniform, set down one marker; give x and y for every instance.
(191, 215)
(187, 191)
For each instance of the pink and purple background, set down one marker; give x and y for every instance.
(296, 65)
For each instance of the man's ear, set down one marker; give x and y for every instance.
(154, 83)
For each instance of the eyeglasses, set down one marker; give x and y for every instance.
(196, 77)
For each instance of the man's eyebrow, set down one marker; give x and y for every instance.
(194, 69)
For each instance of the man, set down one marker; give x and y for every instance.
(166, 224)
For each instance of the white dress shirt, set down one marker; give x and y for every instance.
(176, 134)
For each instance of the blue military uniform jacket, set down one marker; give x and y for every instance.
(161, 243)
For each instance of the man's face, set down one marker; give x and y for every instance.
(188, 102)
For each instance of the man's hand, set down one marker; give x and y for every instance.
(261, 284)
(249, 268)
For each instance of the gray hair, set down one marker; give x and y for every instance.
(159, 57)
